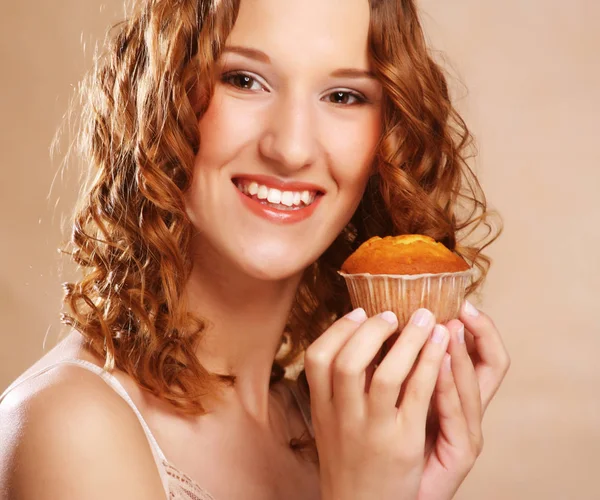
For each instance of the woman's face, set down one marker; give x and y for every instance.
(288, 139)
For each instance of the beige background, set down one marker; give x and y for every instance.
(533, 73)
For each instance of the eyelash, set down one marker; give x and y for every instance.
(228, 79)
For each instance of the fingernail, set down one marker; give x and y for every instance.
(439, 333)
(390, 317)
(471, 310)
(461, 334)
(447, 363)
(421, 317)
(358, 315)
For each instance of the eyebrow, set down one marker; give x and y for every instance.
(248, 52)
(352, 73)
(258, 55)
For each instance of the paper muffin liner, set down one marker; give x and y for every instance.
(443, 293)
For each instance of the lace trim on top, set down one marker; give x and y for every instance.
(183, 487)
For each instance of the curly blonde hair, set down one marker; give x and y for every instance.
(141, 105)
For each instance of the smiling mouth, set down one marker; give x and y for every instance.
(276, 198)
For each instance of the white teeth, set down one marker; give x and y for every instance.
(274, 196)
(305, 197)
(287, 198)
(263, 192)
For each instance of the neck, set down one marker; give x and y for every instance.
(245, 320)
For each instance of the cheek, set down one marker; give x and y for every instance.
(352, 149)
(224, 129)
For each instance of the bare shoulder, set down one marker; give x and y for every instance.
(71, 436)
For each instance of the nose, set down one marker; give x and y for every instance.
(290, 141)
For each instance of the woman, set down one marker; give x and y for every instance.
(240, 153)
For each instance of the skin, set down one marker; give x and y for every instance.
(370, 421)
(286, 126)
(288, 121)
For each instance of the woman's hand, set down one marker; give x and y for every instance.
(465, 387)
(371, 441)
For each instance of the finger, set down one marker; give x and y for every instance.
(494, 360)
(451, 419)
(470, 342)
(421, 383)
(487, 339)
(396, 365)
(350, 365)
(319, 356)
(465, 380)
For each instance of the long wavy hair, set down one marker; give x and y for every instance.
(138, 132)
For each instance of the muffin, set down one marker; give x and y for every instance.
(404, 273)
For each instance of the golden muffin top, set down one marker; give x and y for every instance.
(405, 254)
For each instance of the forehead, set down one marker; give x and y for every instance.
(305, 33)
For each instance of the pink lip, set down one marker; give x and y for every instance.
(274, 182)
(278, 216)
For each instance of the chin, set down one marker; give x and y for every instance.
(273, 266)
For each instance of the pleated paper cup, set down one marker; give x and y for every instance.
(443, 293)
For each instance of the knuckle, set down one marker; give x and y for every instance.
(466, 458)
(502, 365)
(507, 362)
(472, 454)
(344, 369)
(478, 445)
(315, 359)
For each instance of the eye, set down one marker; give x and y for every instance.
(242, 81)
(346, 98)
